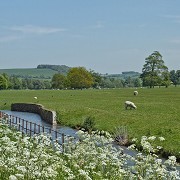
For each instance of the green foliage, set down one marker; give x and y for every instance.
(89, 124)
(154, 71)
(3, 82)
(62, 69)
(59, 81)
(175, 77)
(96, 78)
(79, 78)
(15, 83)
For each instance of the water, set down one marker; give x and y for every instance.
(35, 118)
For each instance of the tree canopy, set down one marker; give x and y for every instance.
(79, 77)
(154, 72)
(175, 77)
(58, 81)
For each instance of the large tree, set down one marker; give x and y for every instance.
(79, 77)
(154, 71)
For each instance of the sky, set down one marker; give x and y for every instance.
(107, 36)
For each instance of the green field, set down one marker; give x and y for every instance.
(158, 110)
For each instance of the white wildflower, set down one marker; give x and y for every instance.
(161, 138)
(152, 138)
(12, 177)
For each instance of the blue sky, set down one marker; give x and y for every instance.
(107, 36)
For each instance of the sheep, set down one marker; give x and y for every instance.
(135, 93)
(130, 104)
(35, 97)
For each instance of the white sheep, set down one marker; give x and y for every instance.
(130, 104)
(135, 93)
(35, 97)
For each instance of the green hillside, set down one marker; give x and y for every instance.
(124, 75)
(30, 73)
(41, 72)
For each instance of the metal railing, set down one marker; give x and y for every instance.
(31, 128)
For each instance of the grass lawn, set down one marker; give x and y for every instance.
(158, 110)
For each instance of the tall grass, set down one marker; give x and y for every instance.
(158, 110)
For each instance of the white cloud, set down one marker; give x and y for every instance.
(36, 29)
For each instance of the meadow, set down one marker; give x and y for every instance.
(158, 110)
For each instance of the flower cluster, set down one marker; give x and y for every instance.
(94, 156)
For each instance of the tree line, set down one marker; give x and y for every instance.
(154, 73)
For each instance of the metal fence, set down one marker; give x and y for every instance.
(31, 128)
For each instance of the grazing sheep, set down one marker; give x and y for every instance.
(130, 104)
(35, 97)
(135, 93)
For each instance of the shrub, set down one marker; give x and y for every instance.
(89, 124)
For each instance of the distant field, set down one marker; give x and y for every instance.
(30, 72)
(158, 110)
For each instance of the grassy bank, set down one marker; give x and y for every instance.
(158, 110)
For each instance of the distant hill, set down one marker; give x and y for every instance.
(41, 72)
(46, 71)
(124, 75)
(62, 69)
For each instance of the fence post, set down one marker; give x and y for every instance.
(39, 128)
(30, 127)
(62, 142)
(26, 127)
(10, 121)
(19, 123)
(34, 128)
(22, 125)
(7, 120)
